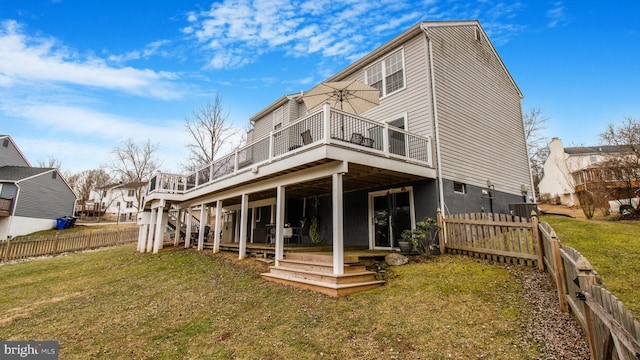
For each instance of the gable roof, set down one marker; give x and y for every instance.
(18, 173)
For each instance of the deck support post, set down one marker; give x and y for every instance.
(203, 223)
(142, 237)
(176, 237)
(157, 243)
(187, 232)
(280, 203)
(244, 218)
(152, 222)
(338, 232)
(216, 234)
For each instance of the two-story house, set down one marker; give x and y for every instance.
(31, 198)
(118, 201)
(447, 133)
(572, 171)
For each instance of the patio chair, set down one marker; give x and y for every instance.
(306, 137)
(368, 142)
(356, 138)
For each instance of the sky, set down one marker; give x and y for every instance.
(79, 78)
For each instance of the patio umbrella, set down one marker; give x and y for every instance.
(352, 96)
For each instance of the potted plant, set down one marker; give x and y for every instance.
(423, 237)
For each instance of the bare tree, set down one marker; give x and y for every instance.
(624, 165)
(534, 124)
(210, 131)
(134, 164)
(51, 163)
(83, 183)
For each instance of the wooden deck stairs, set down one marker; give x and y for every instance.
(315, 272)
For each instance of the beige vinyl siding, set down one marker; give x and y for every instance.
(413, 99)
(479, 114)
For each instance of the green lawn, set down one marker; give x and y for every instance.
(118, 304)
(612, 247)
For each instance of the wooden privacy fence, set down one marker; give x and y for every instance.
(497, 237)
(39, 245)
(611, 330)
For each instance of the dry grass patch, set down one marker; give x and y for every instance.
(185, 304)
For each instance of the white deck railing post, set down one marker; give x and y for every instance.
(326, 121)
(271, 146)
(385, 139)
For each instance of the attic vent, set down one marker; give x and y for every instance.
(5, 143)
(477, 34)
(54, 175)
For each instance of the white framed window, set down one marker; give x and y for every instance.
(278, 115)
(459, 188)
(388, 76)
(129, 204)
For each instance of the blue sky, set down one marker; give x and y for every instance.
(78, 78)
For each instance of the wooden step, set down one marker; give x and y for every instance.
(318, 258)
(335, 290)
(319, 267)
(321, 276)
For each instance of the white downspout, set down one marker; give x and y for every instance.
(441, 204)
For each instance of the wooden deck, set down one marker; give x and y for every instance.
(310, 267)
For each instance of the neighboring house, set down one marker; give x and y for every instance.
(31, 198)
(447, 134)
(569, 171)
(118, 201)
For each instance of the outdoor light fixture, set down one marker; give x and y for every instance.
(488, 193)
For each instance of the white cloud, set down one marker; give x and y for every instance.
(556, 15)
(234, 33)
(35, 59)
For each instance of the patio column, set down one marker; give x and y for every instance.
(176, 238)
(142, 237)
(218, 225)
(280, 203)
(244, 218)
(152, 221)
(157, 243)
(203, 223)
(187, 232)
(337, 213)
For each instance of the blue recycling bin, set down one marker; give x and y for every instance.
(61, 223)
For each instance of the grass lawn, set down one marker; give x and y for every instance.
(612, 247)
(115, 303)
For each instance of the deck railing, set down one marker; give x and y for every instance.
(325, 126)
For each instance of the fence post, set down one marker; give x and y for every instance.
(7, 248)
(89, 240)
(537, 240)
(55, 243)
(558, 265)
(586, 278)
(441, 231)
